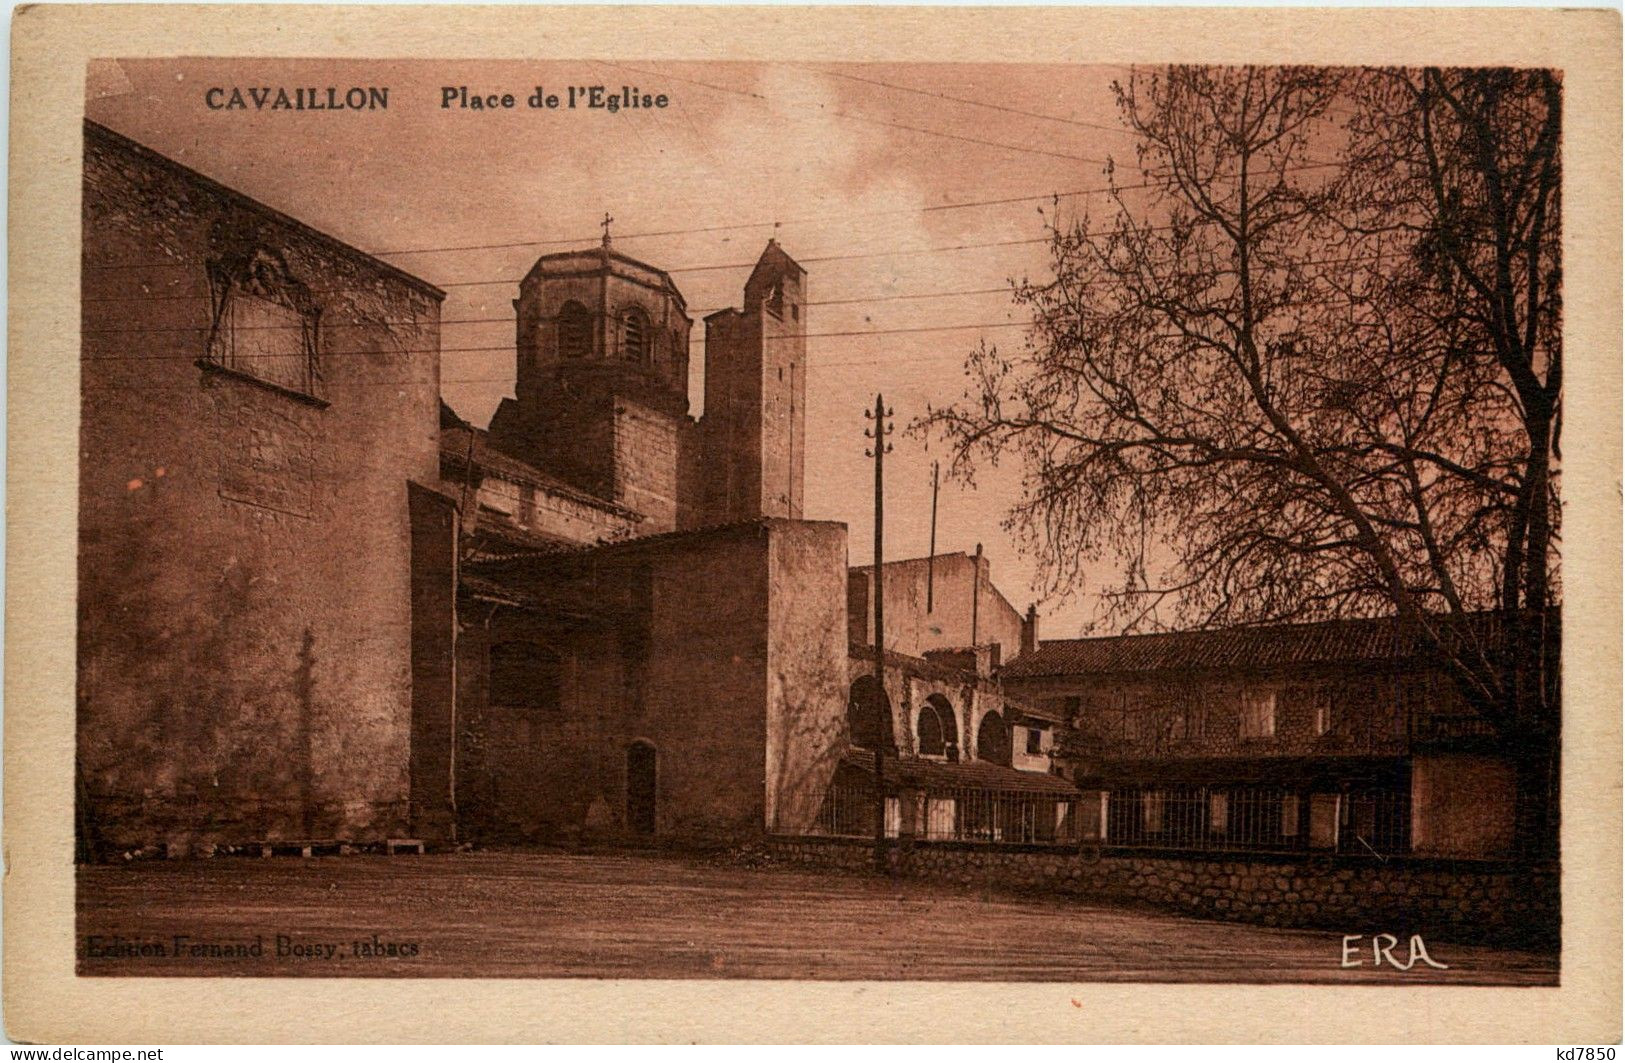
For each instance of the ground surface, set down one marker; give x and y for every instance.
(545, 914)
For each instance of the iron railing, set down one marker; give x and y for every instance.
(1258, 819)
(1010, 817)
(1177, 817)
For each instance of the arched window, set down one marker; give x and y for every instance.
(868, 714)
(936, 731)
(993, 740)
(575, 330)
(635, 335)
(526, 676)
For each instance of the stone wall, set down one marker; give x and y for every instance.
(1458, 900)
(245, 591)
(721, 649)
(912, 629)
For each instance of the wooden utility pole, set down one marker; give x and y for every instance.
(878, 433)
(931, 558)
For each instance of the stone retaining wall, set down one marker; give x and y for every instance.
(1461, 900)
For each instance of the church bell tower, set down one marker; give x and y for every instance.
(755, 425)
(602, 379)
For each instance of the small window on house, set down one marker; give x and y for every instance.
(1035, 741)
(795, 312)
(575, 331)
(1322, 721)
(635, 335)
(1257, 713)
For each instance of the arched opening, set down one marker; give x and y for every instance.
(935, 730)
(993, 740)
(525, 675)
(868, 714)
(575, 330)
(641, 787)
(635, 335)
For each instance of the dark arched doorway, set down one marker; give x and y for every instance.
(993, 740)
(935, 729)
(641, 787)
(868, 714)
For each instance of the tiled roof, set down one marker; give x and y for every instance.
(940, 775)
(1328, 642)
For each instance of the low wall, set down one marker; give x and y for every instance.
(1459, 900)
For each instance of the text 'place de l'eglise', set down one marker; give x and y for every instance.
(318, 608)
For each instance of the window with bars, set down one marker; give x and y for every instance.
(635, 335)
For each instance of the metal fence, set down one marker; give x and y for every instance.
(1258, 819)
(953, 815)
(1181, 817)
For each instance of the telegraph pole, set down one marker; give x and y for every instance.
(931, 559)
(878, 433)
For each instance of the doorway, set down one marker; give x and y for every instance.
(640, 787)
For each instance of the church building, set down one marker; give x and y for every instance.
(318, 607)
(650, 639)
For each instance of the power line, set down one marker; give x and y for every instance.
(851, 256)
(589, 242)
(508, 378)
(509, 348)
(848, 257)
(979, 103)
(1003, 145)
(509, 320)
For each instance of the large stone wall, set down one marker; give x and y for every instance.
(913, 629)
(245, 593)
(1460, 900)
(721, 649)
(806, 668)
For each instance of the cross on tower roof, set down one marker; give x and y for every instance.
(605, 224)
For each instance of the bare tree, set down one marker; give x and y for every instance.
(1309, 365)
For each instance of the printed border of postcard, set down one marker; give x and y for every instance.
(46, 1002)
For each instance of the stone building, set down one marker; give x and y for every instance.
(687, 686)
(947, 601)
(1337, 737)
(965, 760)
(257, 550)
(601, 399)
(317, 605)
(651, 640)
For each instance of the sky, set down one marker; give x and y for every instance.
(876, 177)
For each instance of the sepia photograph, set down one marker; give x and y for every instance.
(791, 520)
(530, 562)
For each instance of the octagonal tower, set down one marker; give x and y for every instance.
(602, 383)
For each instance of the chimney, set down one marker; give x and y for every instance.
(1029, 630)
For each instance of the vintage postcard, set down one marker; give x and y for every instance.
(828, 511)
